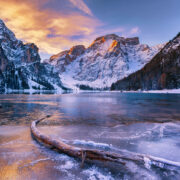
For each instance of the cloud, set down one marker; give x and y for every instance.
(81, 6)
(104, 31)
(121, 31)
(50, 30)
(134, 31)
(130, 32)
(53, 31)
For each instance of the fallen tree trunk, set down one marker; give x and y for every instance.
(100, 155)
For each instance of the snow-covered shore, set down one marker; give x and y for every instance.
(170, 91)
(163, 91)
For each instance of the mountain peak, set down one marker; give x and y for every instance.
(108, 36)
(14, 49)
(1, 22)
(108, 59)
(102, 39)
(20, 66)
(6, 34)
(77, 50)
(172, 44)
(115, 39)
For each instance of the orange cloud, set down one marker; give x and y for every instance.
(50, 30)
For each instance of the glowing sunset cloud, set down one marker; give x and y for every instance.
(53, 30)
(50, 30)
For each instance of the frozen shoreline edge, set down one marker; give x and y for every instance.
(30, 91)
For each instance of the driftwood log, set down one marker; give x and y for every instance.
(92, 154)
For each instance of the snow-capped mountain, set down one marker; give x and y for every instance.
(108, 59)
(20, 66)
(162, 72)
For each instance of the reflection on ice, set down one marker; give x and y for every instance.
(145, 124)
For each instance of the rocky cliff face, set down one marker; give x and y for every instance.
(20, 66)
(162, 72)
(108, 59)
(65, 58)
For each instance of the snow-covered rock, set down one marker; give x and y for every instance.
(20, 66)
(108, 59)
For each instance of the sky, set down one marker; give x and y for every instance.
(57, 25)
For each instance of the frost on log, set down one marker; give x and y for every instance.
(99, 155)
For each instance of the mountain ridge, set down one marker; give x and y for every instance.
(107, 59)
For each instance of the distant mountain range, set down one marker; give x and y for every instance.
(109, 62)
(162, 72)
(108, 59)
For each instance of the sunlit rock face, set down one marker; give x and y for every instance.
(66, 57)
(20, 66)
(162, 72)
(108, 59)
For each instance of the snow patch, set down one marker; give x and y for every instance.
(92, 144)
(94, 173)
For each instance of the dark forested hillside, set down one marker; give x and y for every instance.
(162, 72)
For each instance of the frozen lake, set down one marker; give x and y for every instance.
(141, 123)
